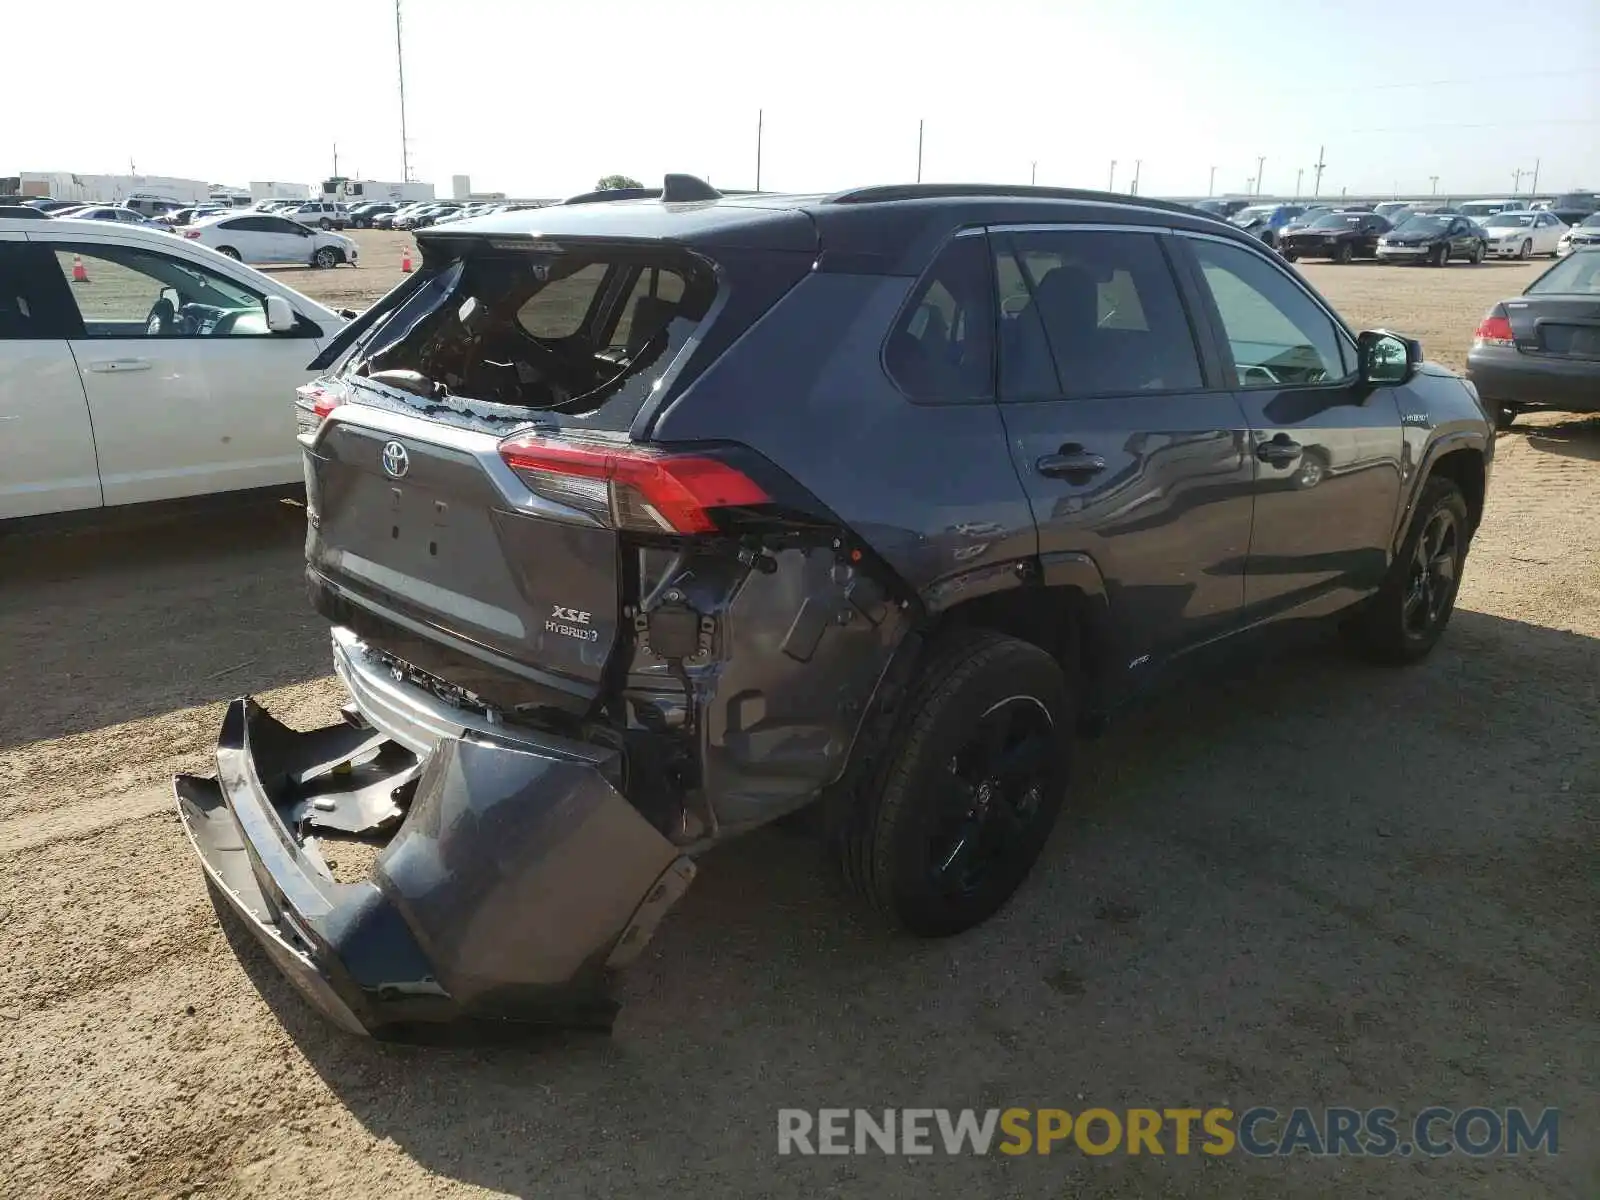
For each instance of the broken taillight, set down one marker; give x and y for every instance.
(1495, 329)
(313, 402)
(631, 486)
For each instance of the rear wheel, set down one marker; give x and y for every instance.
(1291, 256)
(967, 789)
(229, 251)
(325, 223)
(1406, 617)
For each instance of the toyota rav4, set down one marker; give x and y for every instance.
(648, 518)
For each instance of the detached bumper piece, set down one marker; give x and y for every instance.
(517, 878)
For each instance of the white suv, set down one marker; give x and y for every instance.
(136, 366)
(324, 214)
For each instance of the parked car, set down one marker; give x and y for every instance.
(1308, 215)
(1394, 211)
(363, 215)
(1434, 238)
(1542, 349)
(185, 216)
(269, 238)
(46, 205)
(421, 218)
(1220, 208)
(1480, 210)
(1586, 233)
(161, 375)
(1265, 221)
(1341, 236)
(22, 212)
(1572, 207)
(387, 220)
(106, 212)
(737, 609)
(324, 214)
(1519, 233)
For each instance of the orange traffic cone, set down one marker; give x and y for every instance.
(405, 261)
(79, 275)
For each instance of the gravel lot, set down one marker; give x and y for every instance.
(1299, 881)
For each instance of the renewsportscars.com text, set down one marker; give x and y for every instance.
(1260, 1131)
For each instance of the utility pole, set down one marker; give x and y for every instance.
(1137, 163)
(1261, 161)
(1112, 185)
(1434, 181)
(1211, 188)
(1250, 186)
(400, 60)
(1033, 174)
(1516, 180)
(1299, 174)
(1316, 186)
(919, 151)
(336, 160)
(1534, 190)
(760, 119)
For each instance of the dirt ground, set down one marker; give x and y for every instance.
(1298, 881)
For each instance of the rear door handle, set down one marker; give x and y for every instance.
(1072, 461)
(1280, 451)
(109, 366)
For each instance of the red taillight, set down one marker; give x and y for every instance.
(632, 487)
(312, 404)
(1495, 329)
(191, 233)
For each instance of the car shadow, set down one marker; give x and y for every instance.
(137, 615)
(1572, 437)
(1254, 864)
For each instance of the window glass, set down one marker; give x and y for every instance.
(1091, 313)
(23, 312)
(557, 310)
(942, 348)
(656, 293)
(1277, 333)
(133, 292)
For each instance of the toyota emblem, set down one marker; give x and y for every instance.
(396, 462)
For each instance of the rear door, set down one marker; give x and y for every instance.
(188, 392)
(1326, 450)
(47, 460)
(1127, 441)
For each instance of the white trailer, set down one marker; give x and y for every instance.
(358, 191)
(271, 189)
(112, 189)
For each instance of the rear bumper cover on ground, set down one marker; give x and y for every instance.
(517, 881)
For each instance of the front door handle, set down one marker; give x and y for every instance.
(1280, 451)
(1072, 461)
(118, 366)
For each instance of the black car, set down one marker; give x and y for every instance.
(1434, 238)
(1340, 236)
(1542, 349)
(643, 522)
(362, 216)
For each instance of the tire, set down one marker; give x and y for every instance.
(1406, 618)
(1345, 253)
(1526, 252)
(325, 224)
(230, 252)
(326, 257)
(1291, 256)
(966, 788)
(1441, 257)
(1504, 415)
(1478, 252)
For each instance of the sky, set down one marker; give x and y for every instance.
(541, 99)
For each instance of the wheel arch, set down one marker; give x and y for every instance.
(1461, 458)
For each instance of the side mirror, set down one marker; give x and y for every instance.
(281, 316)
(1387, 358)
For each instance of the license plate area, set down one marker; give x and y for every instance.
(1570, 341)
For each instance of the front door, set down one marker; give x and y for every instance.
(188, 391)
(1326, 450)
(47, 461)
(1130, 448)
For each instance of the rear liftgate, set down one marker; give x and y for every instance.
(517, 880)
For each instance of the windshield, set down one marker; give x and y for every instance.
(1389, 207)
(1425, 223)
(1510, 220)
(1256, 212)
(1337, 221)
(1591, 222)
(1483, 208)
(1576, 275)
(582, 335)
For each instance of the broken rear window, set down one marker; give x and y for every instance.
(582, 334)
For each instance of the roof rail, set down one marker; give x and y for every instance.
(885, 193)
(675, 189)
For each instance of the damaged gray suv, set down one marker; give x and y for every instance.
(648, 518)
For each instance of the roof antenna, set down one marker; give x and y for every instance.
(680, 189)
